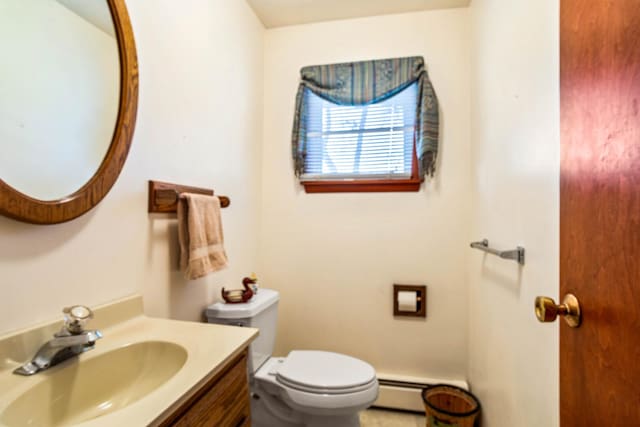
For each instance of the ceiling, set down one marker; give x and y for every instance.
(278, 13)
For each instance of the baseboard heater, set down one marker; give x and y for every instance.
(405, 393)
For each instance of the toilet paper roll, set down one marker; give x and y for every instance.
(408, 301)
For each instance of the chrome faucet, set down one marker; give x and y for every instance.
(70, 341)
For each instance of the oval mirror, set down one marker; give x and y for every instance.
(68, 100)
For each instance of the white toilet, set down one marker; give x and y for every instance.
(306, 388)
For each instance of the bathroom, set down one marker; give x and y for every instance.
(215, 106)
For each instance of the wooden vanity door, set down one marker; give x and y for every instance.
(222, 401)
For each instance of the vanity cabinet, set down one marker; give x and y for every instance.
(222, 401)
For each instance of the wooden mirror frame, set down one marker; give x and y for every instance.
(21, 207)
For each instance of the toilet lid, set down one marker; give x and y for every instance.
(323, 370)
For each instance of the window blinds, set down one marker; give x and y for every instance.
(359, 142)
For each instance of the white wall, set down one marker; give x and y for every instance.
(515, 182)
(335, 257)
(199, 123)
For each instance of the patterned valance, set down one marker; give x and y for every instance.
(368, 82)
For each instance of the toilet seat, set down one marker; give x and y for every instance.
(324, 372)
(325, 391)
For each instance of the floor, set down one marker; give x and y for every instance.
(387, 418)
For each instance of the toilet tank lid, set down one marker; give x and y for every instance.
(260, 301)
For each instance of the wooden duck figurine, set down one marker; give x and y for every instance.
(236, 296)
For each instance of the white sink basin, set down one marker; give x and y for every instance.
(81, 390)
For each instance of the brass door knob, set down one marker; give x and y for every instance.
(547, 310)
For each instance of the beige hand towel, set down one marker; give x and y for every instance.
(200, 235)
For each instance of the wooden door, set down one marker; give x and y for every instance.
(600, 211)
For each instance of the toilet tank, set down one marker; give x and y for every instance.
(260, 312)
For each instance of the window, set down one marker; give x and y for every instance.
(360, 147)
(364, 142)
(365, 126)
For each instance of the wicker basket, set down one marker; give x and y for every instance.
(450, 406)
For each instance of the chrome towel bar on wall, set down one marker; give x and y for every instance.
(516, 254)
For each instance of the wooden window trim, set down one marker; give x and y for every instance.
(362, 186)
(368, 185)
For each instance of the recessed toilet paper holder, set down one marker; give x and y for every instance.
(410, 300)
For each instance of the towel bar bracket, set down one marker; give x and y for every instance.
(516, 254)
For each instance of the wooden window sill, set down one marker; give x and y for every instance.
(362, 186)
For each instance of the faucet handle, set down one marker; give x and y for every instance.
(75, 317)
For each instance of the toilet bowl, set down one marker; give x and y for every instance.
(318, 388)
(305, 388)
